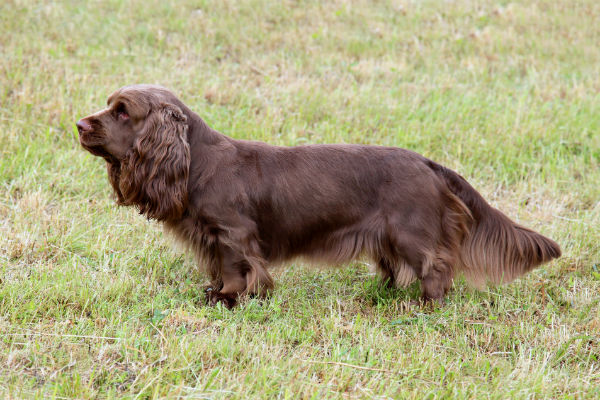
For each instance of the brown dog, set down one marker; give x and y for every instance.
(242, 206)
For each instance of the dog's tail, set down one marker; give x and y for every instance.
(495, 248)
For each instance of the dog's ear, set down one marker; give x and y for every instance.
(154, 175)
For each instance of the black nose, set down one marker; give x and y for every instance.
(83, 126)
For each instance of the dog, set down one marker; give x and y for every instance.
(242, 206)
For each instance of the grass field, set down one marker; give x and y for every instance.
(96, 302)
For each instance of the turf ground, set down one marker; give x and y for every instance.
(96, 303)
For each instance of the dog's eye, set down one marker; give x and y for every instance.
(122, 113)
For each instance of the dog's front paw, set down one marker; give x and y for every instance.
(426, 302)
(213, 297)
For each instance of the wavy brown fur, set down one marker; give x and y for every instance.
(154, 174)
(243, 206)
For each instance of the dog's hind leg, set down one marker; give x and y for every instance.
(438, 270)
(418, 256)
(436, 281)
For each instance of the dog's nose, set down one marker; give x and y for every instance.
(83, 126)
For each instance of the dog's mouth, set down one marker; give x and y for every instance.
(96, 149)
(90, 139)
(94, 143)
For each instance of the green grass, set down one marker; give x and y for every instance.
(95, 302)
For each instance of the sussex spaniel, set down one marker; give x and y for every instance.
(242, 206)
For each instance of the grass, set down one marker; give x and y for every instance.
(96, 303)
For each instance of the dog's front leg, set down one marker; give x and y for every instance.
(232, 284)
(241, 275)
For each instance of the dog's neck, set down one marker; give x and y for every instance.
(199, 132)
(208, 149)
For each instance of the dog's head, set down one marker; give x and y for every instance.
(142, 135)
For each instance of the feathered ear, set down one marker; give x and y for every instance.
(154, 176)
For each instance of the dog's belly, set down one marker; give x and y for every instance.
(327, 243)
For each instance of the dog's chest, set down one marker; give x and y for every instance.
(194, 233)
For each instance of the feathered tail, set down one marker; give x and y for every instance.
(495, 249)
